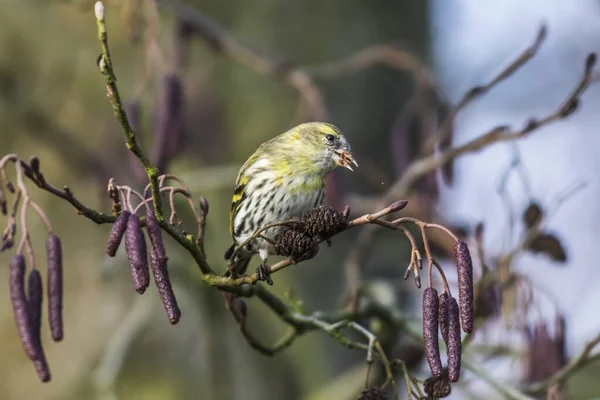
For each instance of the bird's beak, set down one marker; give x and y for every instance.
(344, 158)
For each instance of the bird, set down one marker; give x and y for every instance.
(282, 179)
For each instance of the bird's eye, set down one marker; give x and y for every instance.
(330, 137)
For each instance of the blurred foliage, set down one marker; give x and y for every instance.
(52, 104)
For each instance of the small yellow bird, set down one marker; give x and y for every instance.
(282, 179)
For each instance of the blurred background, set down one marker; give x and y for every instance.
(205, 83)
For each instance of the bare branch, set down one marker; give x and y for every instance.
(106, 67)
(479, 91)
(427, 164)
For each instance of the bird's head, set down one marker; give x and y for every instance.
(327, 146)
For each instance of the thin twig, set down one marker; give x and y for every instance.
(479, 91)
(407, 380)
(333, 331)
(106, 68)
(374, 55)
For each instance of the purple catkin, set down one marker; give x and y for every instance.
(34, 302)
(464, 268)
(165, 290)
(158, 261)
(168, 137)
(135, 246)
(454, 344)
(155, 233)
(42, 369)
(55, 286)
(20, 307)
(443, 316)
(430, 330)
(116, 233)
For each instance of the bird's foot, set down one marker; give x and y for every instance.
(263, 274)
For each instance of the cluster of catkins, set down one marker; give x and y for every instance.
(128, 224)
(443, 314)
(301, 237)
(27, 304)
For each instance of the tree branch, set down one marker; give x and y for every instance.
(427, 164)
(106, 67)
(479, 91)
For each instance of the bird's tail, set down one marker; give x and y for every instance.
(240, 264)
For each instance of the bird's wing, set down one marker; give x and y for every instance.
(239, 194)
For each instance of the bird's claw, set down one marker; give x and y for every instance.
(263, 274)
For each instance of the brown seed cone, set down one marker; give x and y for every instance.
(55, 286)
(116, 233)
(437, 387)
(430, 330)
(454, 344)
(443, 317)
(20, 307)
(158, 262)
(373, 393)
(34, 303)
(323, 221)
(135, 246)
(464, 268)
(293, 243)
